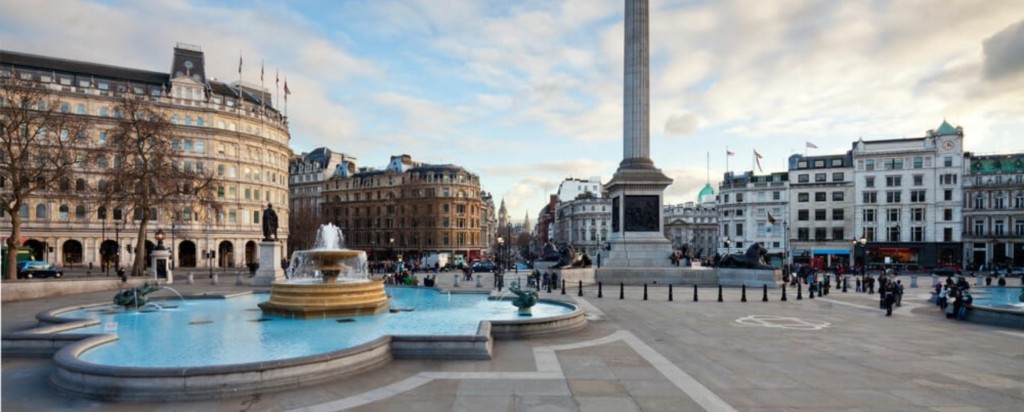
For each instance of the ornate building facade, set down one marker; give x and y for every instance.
(744, 204)
(409, 210)
(232, 130)
(993, 188)
(694, 224)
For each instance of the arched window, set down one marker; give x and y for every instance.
(64, 213)
(80, 109)
(23, 212)
(79, 212)
(65, 184)
(174, 119)
(117, 113)
(103, 183)
(221, 124)
(80, 185)
(199, 121)
(65, 108)
(40, 211)
(188, 120)
(101, 213)
(41, 105)
(104, 111)
(64, 134)
(102, 162)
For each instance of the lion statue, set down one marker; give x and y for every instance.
(752, 259)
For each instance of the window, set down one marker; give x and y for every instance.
(918, 180)
(869, 234)
(803, 178)
(917, 234)
(999, 228)
(869, 215)
(739, 198)
(917, 214)
(803, 197)
(838, 177)
(893, 215)
(802, 233)
(802, 214)
(79, 212)
(917, 196)
(893, 234)
(820, 233)
(893, 196)
(947, 179)
(893, 181)
(41, 211)
(979, 227)
(64, 213)
(947, 195)
(918, 162)
(870, 197)
(947, 234)
(979, 202)
(947, 161)
(80, 109)
(739, 230)
(838, 196)
(820, 177)
(776, 195)
(820, 214)
(947, 214)
(869, 164)
(869, 181)
(837, 233)
(837, 214)
(820, 196)
(894, 163)
(837, 162)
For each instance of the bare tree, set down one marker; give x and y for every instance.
(42, 146)
(305, 220)
(150, 172)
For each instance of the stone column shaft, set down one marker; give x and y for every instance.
(636, 114)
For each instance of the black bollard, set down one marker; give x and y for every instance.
(563, 286)
(580, 293)
(645, 291)
(799, 291)
(845, 281)
(783, 292)
(549, 286)
(695, 292)
(622, 291)
(669, 292)
(764, 296)
(719, 293)
(743, 298)
(810, 292)
(600, 293)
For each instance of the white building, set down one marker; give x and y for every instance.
(744, 204)
(694, 224)
(582, 216)
(993, 188)
(820, 223)
(570, 188)
(908, 199)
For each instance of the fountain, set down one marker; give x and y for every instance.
(326, 281)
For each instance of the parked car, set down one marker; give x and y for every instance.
(483, 266)
(945, 272)
(37, 269)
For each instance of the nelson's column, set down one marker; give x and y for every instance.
(639, 249)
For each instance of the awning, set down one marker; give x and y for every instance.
(831, 252)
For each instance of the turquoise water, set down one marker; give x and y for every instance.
(1003, 298)
(207, 332)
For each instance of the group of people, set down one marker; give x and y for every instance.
(408, 278)
(955, 295)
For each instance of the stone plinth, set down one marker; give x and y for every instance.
(673, 275)
(160, 265)
(270, 270)
(750, 277)
(322, 300)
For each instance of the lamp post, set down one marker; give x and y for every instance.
(508, 248)
(861, 244)
(499, 254)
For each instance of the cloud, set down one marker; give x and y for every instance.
(681, 124)
(1004, 52)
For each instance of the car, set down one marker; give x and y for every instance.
(483, 266)
(945, 272)
(37, 269)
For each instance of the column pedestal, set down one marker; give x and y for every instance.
(159, 266)
(270, 264)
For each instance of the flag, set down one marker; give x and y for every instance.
(287, 91)
(277, 79)
(261, 71)
(770, 218)
(757, 155)
(239, 63)
(728, 153)
(812, 145)
(757, 159)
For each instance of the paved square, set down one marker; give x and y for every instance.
(831, 353)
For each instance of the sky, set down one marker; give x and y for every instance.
(528, 93)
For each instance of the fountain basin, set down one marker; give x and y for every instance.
(322, 300)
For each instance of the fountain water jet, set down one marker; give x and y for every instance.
(326, 281)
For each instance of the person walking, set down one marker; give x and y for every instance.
(889, 298)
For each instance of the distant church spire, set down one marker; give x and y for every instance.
(526, 223)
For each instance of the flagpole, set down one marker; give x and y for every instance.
(727, 159)
(277, 89)
(707, 175)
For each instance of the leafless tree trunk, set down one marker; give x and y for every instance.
(306, 221)
(149, 171)
(42, 146)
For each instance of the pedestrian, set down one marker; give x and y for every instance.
(889, 298)
(965, 305)
(899, 293)
(858, 286)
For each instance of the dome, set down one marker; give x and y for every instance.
(706, 194)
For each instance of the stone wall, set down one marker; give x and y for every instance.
(35, 289)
